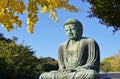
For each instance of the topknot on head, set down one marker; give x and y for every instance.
(72, 21)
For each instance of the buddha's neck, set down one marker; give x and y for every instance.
(73, 42)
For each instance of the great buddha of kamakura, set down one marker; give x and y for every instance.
(78, 58)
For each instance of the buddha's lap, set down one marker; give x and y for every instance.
(77, 74)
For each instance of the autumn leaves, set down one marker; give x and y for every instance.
(10, 10)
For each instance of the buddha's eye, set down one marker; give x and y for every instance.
(73, 28)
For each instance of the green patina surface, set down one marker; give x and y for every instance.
(78, 58)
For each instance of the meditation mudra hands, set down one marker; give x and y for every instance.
(73, 70)
(67, 70)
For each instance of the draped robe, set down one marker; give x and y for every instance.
(82, 62)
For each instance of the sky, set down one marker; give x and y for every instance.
(48, 35)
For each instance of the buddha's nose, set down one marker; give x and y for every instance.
(70, 30)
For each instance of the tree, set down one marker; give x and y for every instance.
(16, 61)
(115, 62)
(14, 38)
(46, 64)
(105, 65)
(107, 11)
(111, 64)
(3, 68)
(10, 9)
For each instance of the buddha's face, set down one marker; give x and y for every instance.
(72, 31)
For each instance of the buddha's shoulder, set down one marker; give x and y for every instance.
(87, 39)
(63, 44)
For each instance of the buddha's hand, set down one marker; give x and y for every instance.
(82, 68)
(53, 71)
(67, 70)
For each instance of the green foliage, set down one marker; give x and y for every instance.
(115, 62)
(3, 68)
(105, 65)
(47, 64)
(19, 62)
(107, 11)
(111, 64)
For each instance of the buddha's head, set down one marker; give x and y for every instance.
(73, 29)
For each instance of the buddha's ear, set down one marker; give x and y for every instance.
(80, 31)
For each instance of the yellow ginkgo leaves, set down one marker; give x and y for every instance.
(9, 10)
(32, 15)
